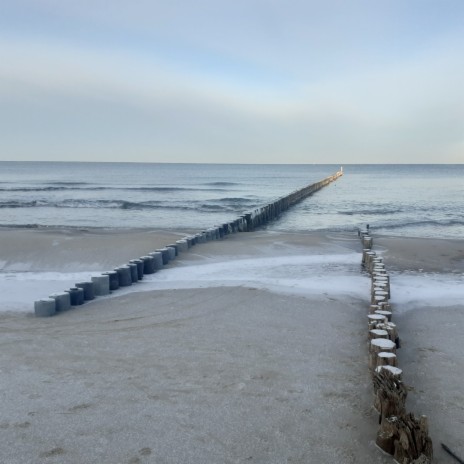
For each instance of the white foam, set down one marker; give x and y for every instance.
(325, 275)
(19, 290)
(426, 290)
(335, 274)
(330, 275)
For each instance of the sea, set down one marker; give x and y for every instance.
(394, 199)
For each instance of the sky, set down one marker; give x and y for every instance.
(242, 81)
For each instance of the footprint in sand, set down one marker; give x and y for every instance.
(142, 452)
(53, 452)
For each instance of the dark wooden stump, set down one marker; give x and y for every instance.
(390, 393)
(400, 434)
(413, 444)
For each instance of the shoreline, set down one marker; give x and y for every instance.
(233, 368)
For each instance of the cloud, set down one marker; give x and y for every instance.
(288, 82)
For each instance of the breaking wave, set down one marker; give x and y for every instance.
(217, 205)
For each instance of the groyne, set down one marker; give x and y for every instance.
(400, 433)
(130, 273)
(263, 214)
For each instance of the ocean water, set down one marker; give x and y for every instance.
(404, 200)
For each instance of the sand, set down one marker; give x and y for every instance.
(251, 349)
(431, 322)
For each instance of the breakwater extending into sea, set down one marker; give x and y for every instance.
(132, 272)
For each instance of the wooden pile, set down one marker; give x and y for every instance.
(400, 433)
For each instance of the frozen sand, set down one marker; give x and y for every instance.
(228, 373)
(190, 376)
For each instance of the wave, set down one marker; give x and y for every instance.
(373, 212)
(77, 186)
(53, 227)
(200, 207)
(169, 189)
(221, 184)
(21, 226)
(62, 204)
(438, 222)
(214, 207)
(381, 228)
(69, 183)
(49, 189)
(18, 204)
(217, 205)
(237, 200)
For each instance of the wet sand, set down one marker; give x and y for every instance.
(202, 367)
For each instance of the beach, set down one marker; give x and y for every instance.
(248, 349)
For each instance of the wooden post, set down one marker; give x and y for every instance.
(390, 327)
(391, 394)
(377, 346)
(373, 308)
(400, 434)
(374, 320)
(45, 307)
(387, 314)
(412, 442)
(386, 358)
(396, 371)
(377, 333)
(367, 241)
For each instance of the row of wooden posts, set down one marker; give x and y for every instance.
(133, 271)
(400, 434)
(263, 214)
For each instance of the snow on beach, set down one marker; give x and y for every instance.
(243, 340)
(306, 274)
(423, 290)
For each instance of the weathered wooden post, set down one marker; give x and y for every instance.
(386, 358)
(374, 319)
(133, 272)
(76, 295)
(378, 345)
(139, 264)
(45, 307)
(377, 333)
(148, 264)
(114, 279)
(63, 301)
(367, 241)
(101, 285)
(88, 290)
(124, 275)
(158, 259)
(182, 245)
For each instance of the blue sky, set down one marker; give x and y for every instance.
(232, 81)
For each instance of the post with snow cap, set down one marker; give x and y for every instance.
(400, 434)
